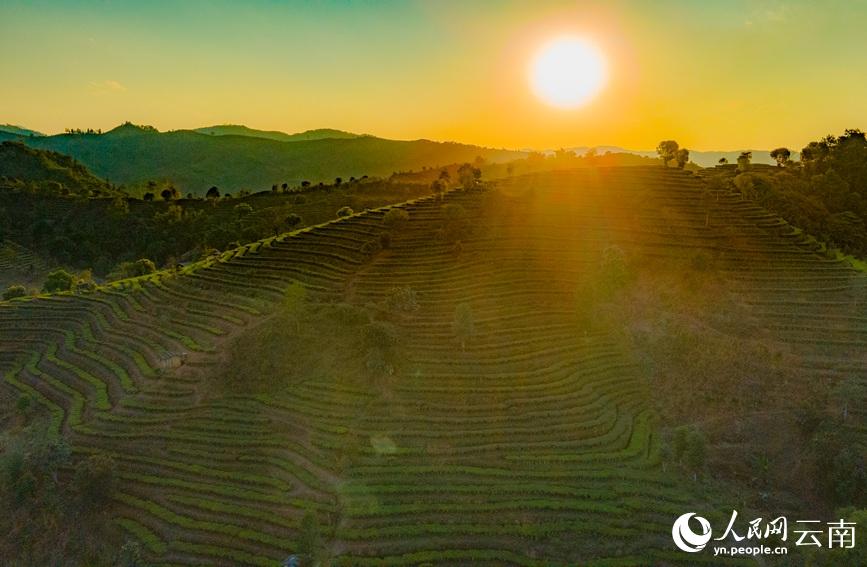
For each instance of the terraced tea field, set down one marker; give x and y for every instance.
(535, 443)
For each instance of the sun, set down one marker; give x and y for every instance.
(568, 72)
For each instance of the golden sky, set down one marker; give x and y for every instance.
(712, 75)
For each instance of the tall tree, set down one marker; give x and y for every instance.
(781, 156)
(666, 150)
(681, 157)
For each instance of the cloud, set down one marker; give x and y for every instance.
(769, 15)
(106, 87)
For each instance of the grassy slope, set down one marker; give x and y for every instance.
(537, 444)
(194, 161)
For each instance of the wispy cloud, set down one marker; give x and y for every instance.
(768, 15)
(106, 87)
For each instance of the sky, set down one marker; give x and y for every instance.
(713, 75)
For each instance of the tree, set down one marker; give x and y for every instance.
(464, 324)
(58, 280)
(95, 480)
(14, 291)
(148, 197)
(140, 267)
(437, 187)
(212, 194)
(285, 187)
(744, 160)
(337, 181)
(242, 210)
(468, 175)
(292, 220)
(723, 161)
(395, 219)
(666, 150)
(169, 193)
(681, 157)
(305, 184)
(781, 156)
(345, 212)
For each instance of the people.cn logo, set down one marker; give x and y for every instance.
(685, 538)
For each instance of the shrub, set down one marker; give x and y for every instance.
(371, 247)
(95, 480)
(141, 267)
(344, 212)
(14, 291)
(395, 219)
(242, 210)
(58, 280)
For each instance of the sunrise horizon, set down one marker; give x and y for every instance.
(224, 63)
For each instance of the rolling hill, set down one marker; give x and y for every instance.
(239, 130)
(497, 387)
(48, 171)
(194, 162)
(18, 130)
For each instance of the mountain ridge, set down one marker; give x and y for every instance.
(132, 155)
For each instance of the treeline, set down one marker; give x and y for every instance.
(823, 194)
(110, 236)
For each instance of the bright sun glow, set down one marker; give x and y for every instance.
(567, 72)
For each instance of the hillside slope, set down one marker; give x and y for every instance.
(47, 171)
(239, 130)
(532, 436)
(194, 162)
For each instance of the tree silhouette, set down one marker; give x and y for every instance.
(681, 157)
(781, 156)
(666, 150)
(213, 193)
(723, 161)
(292, 221)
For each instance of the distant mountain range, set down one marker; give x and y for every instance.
(238, 130)
(12, 129)
(234, 158)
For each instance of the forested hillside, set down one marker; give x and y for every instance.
(131, 155)
(48, 173)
